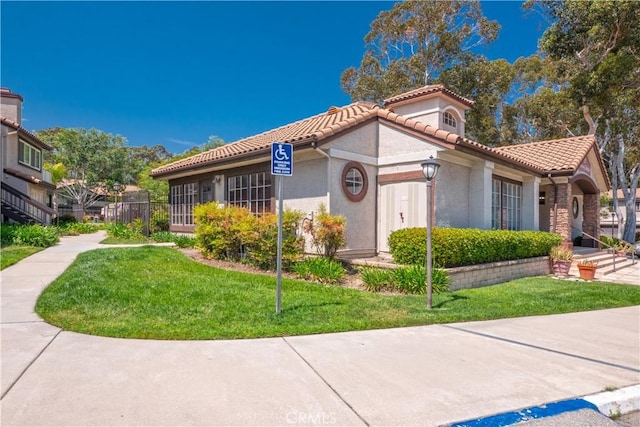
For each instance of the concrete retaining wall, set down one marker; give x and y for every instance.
(476, 276)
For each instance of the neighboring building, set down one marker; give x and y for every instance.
(27, 190)
(98, 199)
(608, 220)
(363, 161)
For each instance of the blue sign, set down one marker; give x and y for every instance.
(281, 159)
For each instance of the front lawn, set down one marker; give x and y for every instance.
(157, 292)
(10, 255)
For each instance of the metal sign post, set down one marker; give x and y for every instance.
(281, 165)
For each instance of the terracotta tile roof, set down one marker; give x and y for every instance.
(25, 133)
(429, 130)
(315, 128)
(558, 155)
(28, 177)
(423, 91)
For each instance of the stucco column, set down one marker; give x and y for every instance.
(480, 195)
(591, 215)
(530, 204)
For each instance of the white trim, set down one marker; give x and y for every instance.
(347, 155)
(422, 113)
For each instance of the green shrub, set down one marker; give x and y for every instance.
(76, 228)
(159, 221)
(136, 226)
(221, 231)
(65, 219)
(321, 269)
(410, 279)
(328, 232)
(7, 234)
(413, 280)
(262, 246)
(163, 236)
(454, 247)
(376, 279)
(35, 235)
(181, 240)
(118, 230)
(234, 233)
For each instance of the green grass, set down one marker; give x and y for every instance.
(156, 292)
(124, 240)
(10, 255)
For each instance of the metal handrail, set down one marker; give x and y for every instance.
(613, 252)
(633, 252)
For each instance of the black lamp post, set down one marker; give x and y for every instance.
(430, 170)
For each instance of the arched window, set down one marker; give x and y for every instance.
(449, 120)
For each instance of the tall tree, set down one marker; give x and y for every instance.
(596, 45)
(409, 45)
(488, 83)
(95, 162)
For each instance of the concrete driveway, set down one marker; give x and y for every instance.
(428, 375)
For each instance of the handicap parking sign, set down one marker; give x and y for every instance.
(281, 159)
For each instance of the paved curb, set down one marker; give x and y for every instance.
(617, 402)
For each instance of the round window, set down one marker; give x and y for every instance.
(354, 181)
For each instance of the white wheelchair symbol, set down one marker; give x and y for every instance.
(281, 154)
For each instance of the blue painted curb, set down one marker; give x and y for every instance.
(536, 412)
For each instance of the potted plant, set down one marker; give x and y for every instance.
(622, 248)
(587, 269)
(561, 258)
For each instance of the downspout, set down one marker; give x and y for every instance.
(314, 145)
(555, 202)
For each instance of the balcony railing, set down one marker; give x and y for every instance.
(23, 208)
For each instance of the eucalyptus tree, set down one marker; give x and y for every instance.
(596, 46)
(409, 45)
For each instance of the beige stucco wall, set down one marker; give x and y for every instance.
(430, 112)
(452, 196)
(11, 108)
(363, 141)
(361, 216)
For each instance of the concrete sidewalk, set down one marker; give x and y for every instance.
(430, 375)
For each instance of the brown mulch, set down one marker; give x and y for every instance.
(350, 280)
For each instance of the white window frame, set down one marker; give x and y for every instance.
(506, 204)
(29, 155)
(449, 119)
(251, 191)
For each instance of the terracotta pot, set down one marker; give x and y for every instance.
(621, 254)
(560, 267)
(587, 272)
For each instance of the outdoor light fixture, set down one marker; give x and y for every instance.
(430, 170)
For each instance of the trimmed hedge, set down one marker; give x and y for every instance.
(455, 247)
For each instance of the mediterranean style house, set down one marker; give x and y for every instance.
(363, 161)
(27, 190)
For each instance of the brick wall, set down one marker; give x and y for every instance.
(561, 218)
(591, 215)
(476, 276)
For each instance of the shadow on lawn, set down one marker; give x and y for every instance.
(452, 298)
(308, 306)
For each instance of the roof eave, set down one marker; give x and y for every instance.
(230, 159)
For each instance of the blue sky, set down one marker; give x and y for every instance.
(173, 73)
